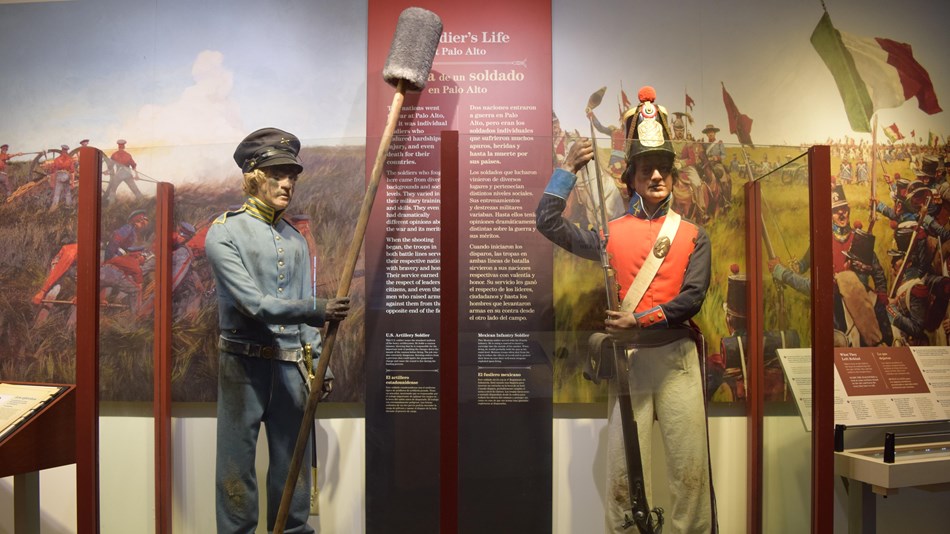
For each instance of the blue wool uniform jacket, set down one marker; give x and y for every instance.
(262, 270)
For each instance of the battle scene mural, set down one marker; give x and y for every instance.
(747, 87)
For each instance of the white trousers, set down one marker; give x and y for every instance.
(666, 383)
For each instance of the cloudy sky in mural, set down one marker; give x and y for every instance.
(177, 72)
(173, 73)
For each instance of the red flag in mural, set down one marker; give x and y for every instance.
(625, 103)
(689, 103)
(739, 124)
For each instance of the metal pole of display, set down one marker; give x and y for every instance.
(755, 396)
(448, 333)
(87, 341)
(162, 349)
(822, 342)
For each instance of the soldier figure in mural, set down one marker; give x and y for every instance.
(123, 169)
(656, 358)
(62, 178)
(860, 282)
(916, 203)
(126, 235)
(715, 156)
(734, 167)
(684, 199)
(617, 162)
(187, 286)
(696, 172)
(942, 189)
(121, 278)
(919, 306)
(898, 193)
(680, 131)
(845, 172)
(861, 172)
(930, 172)
(863, 309)
(4, 177)
(726, 372)
(53, 293)
(182, 255)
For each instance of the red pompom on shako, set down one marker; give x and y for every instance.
(646, 94)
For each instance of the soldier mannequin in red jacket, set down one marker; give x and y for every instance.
(664, 368)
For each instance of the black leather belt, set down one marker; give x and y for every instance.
(268, 352)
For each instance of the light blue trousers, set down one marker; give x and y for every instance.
(252, 391)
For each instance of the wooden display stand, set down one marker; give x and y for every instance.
(47, 439)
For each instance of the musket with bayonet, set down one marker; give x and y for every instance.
(646, 521)
(779, 286)
(872, 217)
(770, 251)
(610, 275)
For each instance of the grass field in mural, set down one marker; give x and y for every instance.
(579, 289)
(38, 340)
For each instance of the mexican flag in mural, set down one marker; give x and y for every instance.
(872, 73)
(893, 132)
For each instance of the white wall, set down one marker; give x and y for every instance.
(127, 474)
(579, 481)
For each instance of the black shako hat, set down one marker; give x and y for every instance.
(647, 127)
(268, 147)
(837, 197)
(862, 247)
(735, 292)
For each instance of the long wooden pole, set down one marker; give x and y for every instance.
(349, 267)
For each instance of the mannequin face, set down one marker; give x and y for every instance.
(653, 179)
(278, 189)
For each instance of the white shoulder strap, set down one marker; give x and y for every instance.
(652, 264)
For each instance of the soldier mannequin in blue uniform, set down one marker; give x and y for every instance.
(267, 314)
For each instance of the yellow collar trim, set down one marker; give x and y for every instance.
(259, 210)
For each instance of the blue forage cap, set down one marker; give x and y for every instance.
(268, 147)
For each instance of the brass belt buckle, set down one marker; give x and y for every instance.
(267, 352)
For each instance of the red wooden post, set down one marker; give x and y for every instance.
(87, 341)
(162, 348)
(755, 395)
(822, 343)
